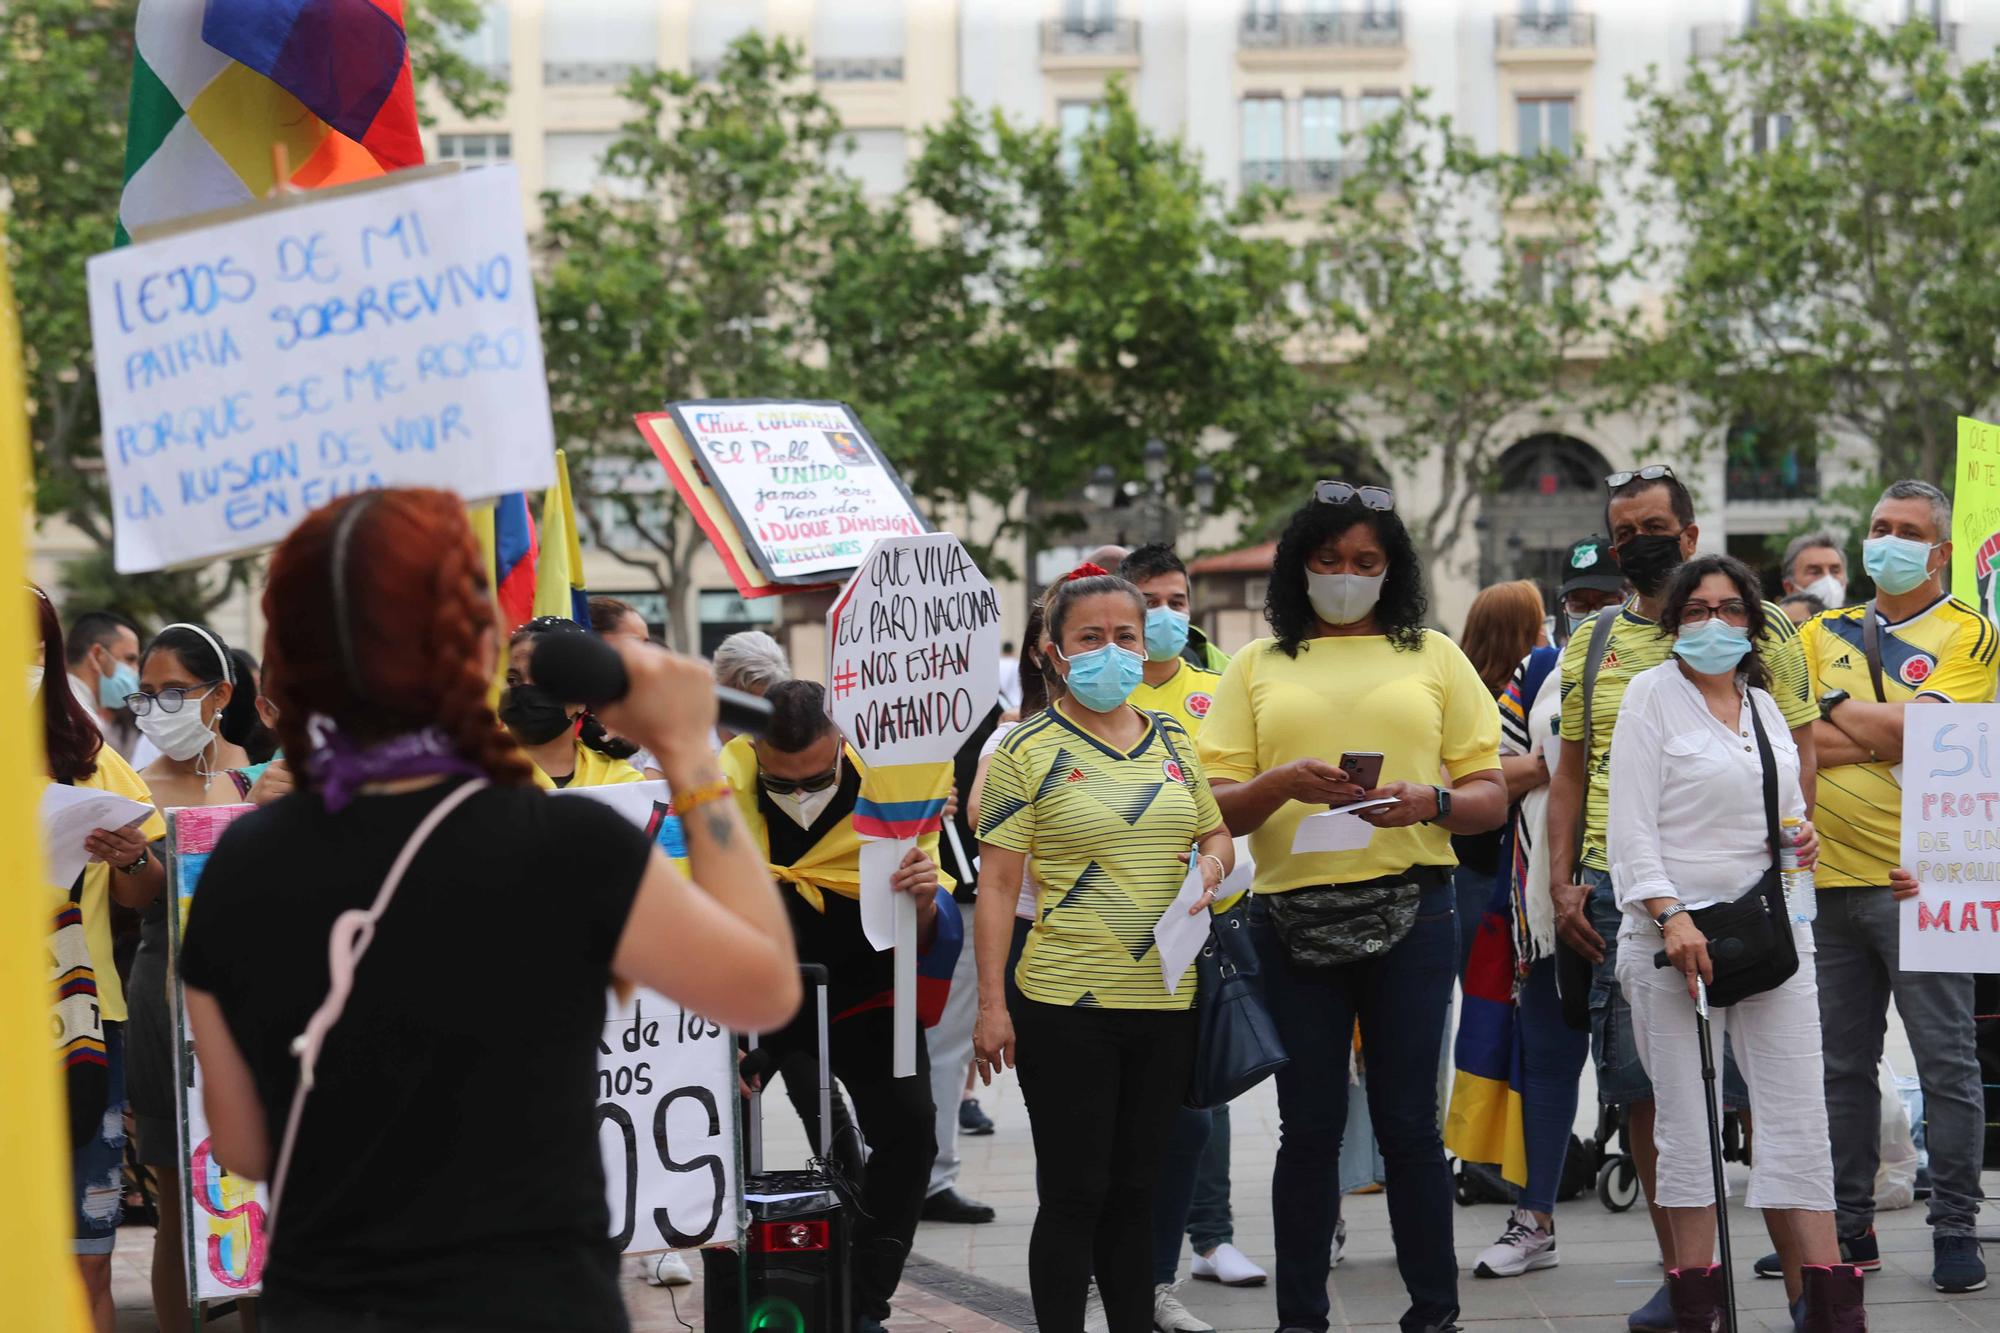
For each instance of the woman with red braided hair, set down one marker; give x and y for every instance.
(452, 1026)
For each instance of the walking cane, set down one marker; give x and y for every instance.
(1715, 1153)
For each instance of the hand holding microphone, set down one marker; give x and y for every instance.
(666, 702)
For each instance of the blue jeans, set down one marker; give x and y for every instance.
(97, 1167)
(1400, 999)
(1552, 1056)
(1210, 1222)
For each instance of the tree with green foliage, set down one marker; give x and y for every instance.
(65, 80)
(1076, 302)
(686, 276)
(1827, 208)
(1453, 289)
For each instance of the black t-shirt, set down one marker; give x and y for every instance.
(447, 1164)
(831, 933)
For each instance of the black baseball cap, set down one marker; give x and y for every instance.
(1591, 565)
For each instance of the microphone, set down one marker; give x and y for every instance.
(584, 669)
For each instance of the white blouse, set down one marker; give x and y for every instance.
(1687, 796)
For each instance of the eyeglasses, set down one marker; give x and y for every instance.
(1731, 612)
(170, 699)
(1379, 498)
(1651, 472)
(818, 782)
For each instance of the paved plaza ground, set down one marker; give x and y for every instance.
(971, 1279)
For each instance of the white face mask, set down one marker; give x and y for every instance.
(34, 681)
(181, 736)
(1830, 589)
(1342, 599)
(804, 807)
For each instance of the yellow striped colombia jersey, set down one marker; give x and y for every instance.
(1636, 645)
(1946, 653)
(1186, 696)
(1106, 831)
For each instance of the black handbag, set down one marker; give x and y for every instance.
(1750, 944)
(1237, 1045)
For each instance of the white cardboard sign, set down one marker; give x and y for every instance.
(250, 371)
(1951, 837)
(913, 651)
(666, 1092)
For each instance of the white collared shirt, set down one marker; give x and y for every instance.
(1687, 795)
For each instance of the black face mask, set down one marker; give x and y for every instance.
(1648, 559)
(533, 714)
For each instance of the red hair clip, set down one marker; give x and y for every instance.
(1086, 570)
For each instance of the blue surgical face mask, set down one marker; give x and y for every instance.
(1897, 564)
(1166, 633)
(112, 689)
(1577, 622)
(1713, 648)
(1103, 678)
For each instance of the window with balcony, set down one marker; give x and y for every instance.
(601, 43)
(486, 46)
(858, 43)
(1545, 125)
(1074, 123)
(1547, 273)
(1545, 25)
(1321, 129)
(1263, 141)
(1319, 23)
(1090, 28)
(1378, 107)
(475, 150)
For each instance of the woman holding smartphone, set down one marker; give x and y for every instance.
(1368, 933)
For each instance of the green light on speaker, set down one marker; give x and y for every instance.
(775, 1314)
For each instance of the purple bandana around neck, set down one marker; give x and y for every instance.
(340, 767)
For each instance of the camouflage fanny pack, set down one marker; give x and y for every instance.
(1334, 924)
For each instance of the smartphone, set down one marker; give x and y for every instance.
(1363, 767)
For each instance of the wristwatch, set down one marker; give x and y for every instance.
(138, 866)
(1829, 701)
(1668, 915)
(1444, 806)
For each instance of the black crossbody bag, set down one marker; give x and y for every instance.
(1750, 944)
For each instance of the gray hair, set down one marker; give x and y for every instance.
(1799, 545)
(1911, 489)
(750, 660)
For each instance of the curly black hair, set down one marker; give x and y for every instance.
(1688, 577)
(1400, 612)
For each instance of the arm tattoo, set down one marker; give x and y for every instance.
(719, 826)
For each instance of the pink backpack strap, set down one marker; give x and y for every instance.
(353, 930)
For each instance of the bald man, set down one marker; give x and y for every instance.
(1108, 556)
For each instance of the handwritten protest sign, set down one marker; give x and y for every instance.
(223, 1214)
(914, 651)
(252, 370)
(805, 485)
(666, 1092)
(1951, 837)
(1975, 517)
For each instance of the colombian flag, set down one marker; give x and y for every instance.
(1485, 1122)
(216, 83)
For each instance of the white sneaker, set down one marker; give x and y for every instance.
(1229, 1266)
(667, 1270)
(1339, 1240)
(1170, 1316)
(1522, 1248)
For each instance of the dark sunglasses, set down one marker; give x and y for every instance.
(1379, 498)
(818, 782)
(1651, 472)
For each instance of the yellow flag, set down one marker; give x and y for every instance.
(37, 1273)
(559, 567)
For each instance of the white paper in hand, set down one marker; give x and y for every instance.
(878, 901)
(1179, 935)
(1340, 829)
(71, 814)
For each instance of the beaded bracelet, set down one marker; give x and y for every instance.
(702, 795)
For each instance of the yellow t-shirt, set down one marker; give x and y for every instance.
(592, 770)
(1186, 696)
(1636, 644)
(1425, 711)
(1944, 652)
(116, 776)
(1106, 831)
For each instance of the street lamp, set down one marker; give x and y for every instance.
(1155, 465)
(1204, 488)
(1102, 488)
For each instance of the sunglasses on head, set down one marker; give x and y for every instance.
(1379, 498)
(1651, 472)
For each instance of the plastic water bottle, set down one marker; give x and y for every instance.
(1800, 900)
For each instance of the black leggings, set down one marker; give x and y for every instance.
(1102, 1087)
